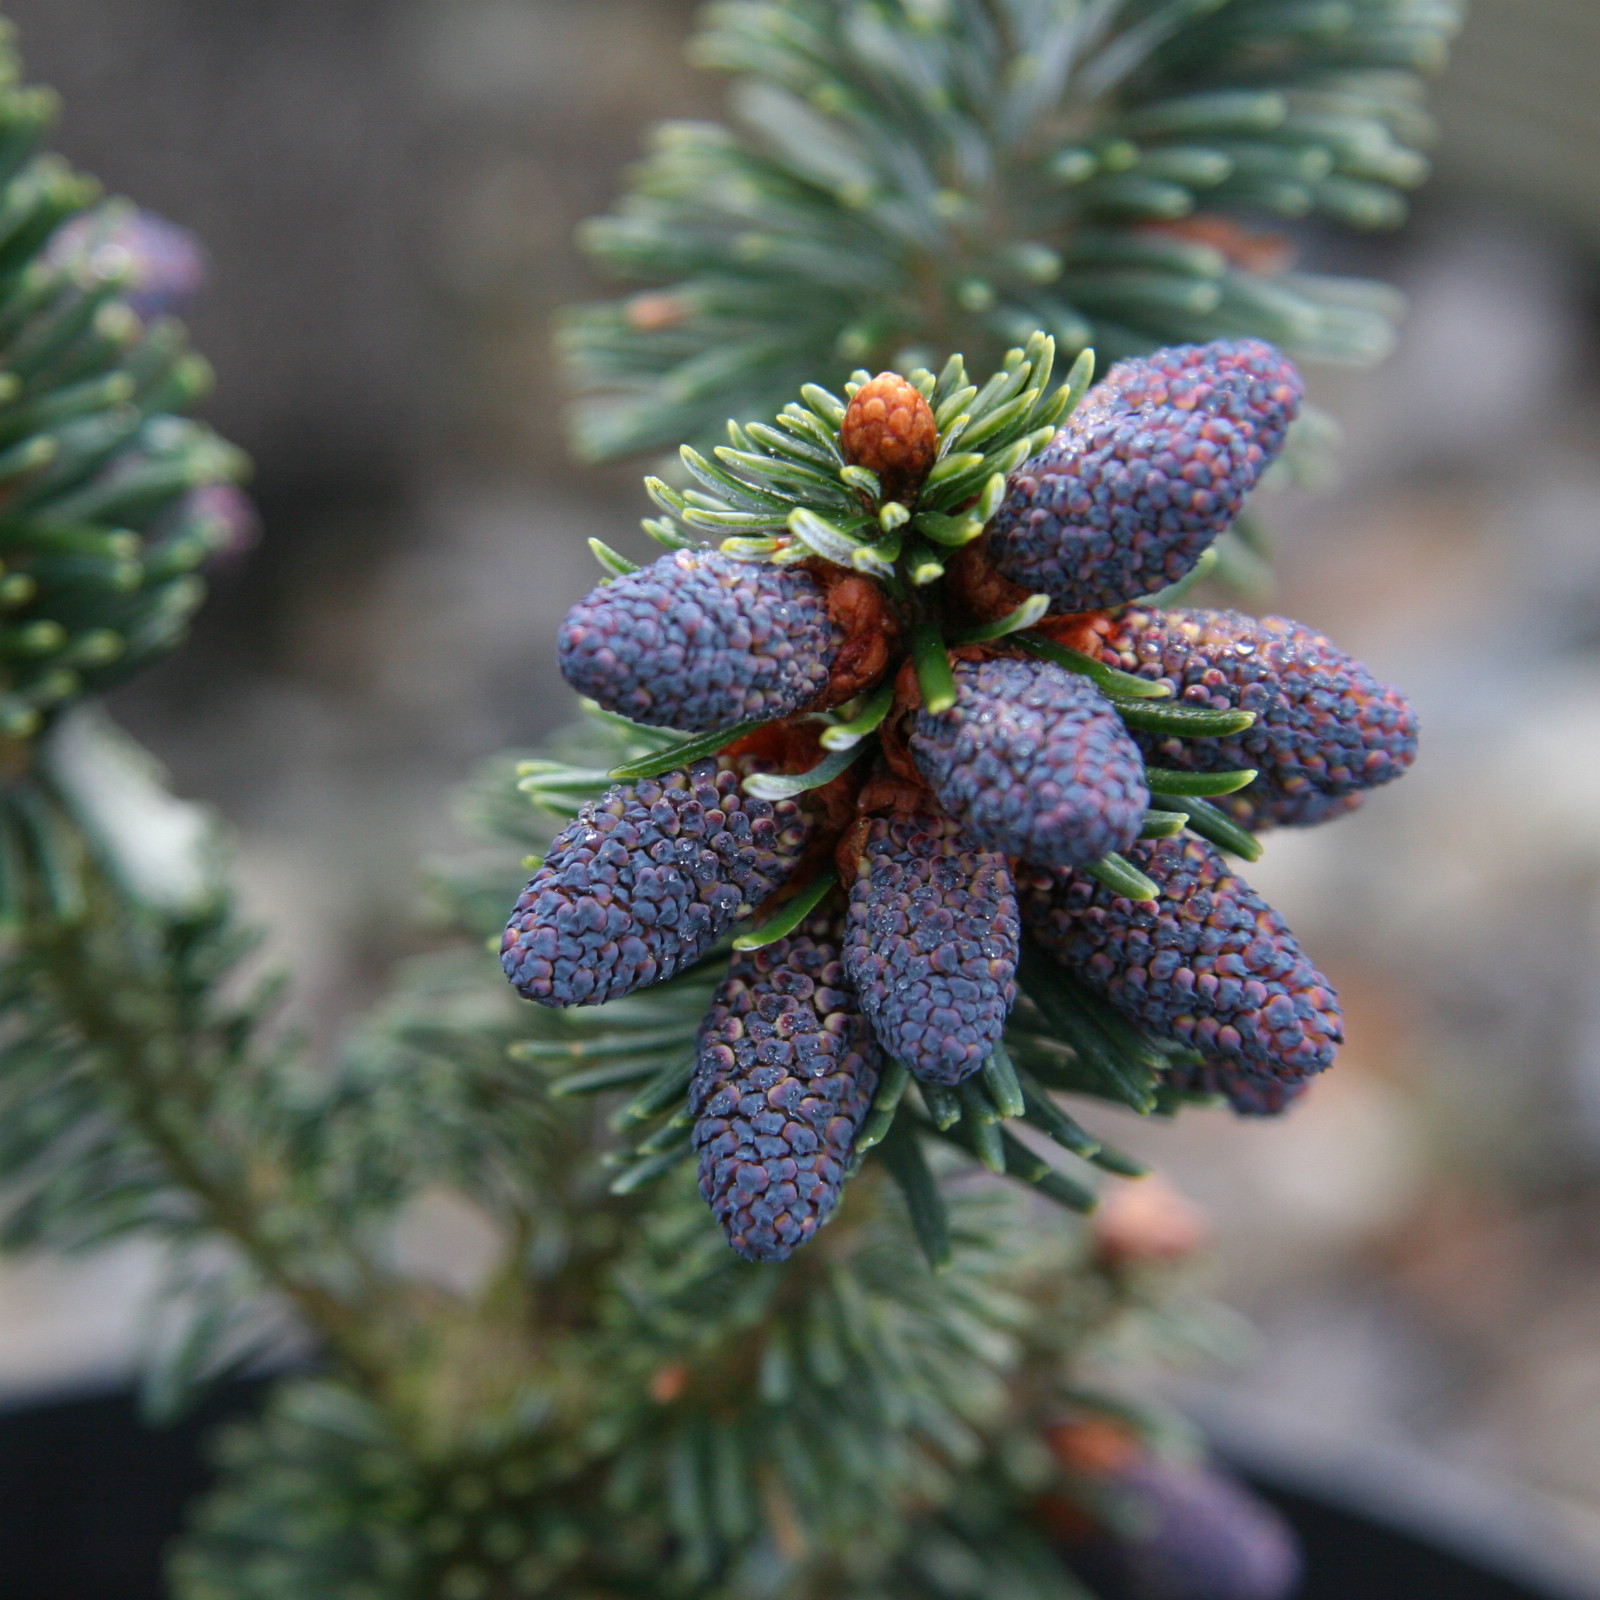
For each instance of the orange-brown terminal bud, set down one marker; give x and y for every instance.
(651, 313)
(889, 429)
(1148, 1222)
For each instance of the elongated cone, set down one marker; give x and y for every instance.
(1150, 1529)
(932, 944)
(1247, 1093)
(1256, 807)
(697, 641)
(1209, 965)
(1145, 474)
(1201, 1536)
(1034, 762)
(644, 881)
(786, 1071)
(1325, 727)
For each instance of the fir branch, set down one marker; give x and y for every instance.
(176, 1087)
(621, 1407)
(108, 498)
(901, 180)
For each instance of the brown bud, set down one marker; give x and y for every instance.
(650, 313)
(668, 1383)
(1148, 1221)
(867, 623)
(976, 591)
(1267, 254)
(1085, 1447)
(1095, 1446)
(889, 429)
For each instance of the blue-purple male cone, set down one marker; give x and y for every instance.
(1035, 763)
(1326, 729)
(786, 1066)
(644, 881)
(1208, 965)
(161, 265)
(932, 944)
(1148, 470)
(1137, 1525)
(698, 640)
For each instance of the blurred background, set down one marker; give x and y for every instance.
(388, 190)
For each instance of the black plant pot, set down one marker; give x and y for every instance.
(89, 1498)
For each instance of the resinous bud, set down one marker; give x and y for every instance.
(889, 428)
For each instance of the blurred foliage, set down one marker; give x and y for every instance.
(904, 178)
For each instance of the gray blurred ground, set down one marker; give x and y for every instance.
(389, 190)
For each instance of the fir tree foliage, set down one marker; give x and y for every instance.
(904, 178)
(103, 519)
(618, 1406)
(614, 1405)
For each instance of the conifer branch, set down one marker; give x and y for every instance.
(160, 1066)
(899, 180)
(622, 1406)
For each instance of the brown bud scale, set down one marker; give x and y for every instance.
(866, 626)
(977, 592)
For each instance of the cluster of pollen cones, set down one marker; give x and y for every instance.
(975, 816)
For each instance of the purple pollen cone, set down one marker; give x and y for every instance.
(1034, 762)
(162, 265)
(1246, 1094)
(786, 1071)
(1209, 965)
(698, 640)
(931, 945)
(644, 881)
(1325, 728)
(1257, 807)
(1146, 473)
(1192, 1533)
